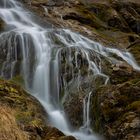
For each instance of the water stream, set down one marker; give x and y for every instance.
(37, 52)
(86, 113)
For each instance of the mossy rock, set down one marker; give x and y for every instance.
(115, 110)
(134, 106)
(23, 114)
(135, 50)
(94, 20)
(18, 79)
(25, 105)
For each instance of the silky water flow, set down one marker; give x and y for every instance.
(35, 52)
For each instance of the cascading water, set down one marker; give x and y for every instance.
(86, 114)
(36, 53)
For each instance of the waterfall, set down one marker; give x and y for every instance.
(86, 113)
(36, 53)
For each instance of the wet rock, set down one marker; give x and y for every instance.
(133, 22)
(44, 2)
(135, 50)
(122, 72)
(79, 18)
(35, 2)
(118, 113)
(2, 24)
(73, 107)
(11, 56)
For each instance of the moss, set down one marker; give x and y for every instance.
(23, 112)
(95, 111)
(95, 21)
(100, 10)
(37, 123)
(62, 93)
(24, 104)
(118, 79)
(84, 70)
(111, 114)
(106, 36)
(135, 50)
(24, 117)
(27, 111)
(18, 79)
(134, 106)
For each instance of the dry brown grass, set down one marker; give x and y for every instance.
(8, 126)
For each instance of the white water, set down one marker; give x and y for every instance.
(42, 75)
(86, 113)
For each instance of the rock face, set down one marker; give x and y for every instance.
(1, 24)
(22, 117)
(135, 50)
(113, 23)
(114, 108)
(118, 111)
